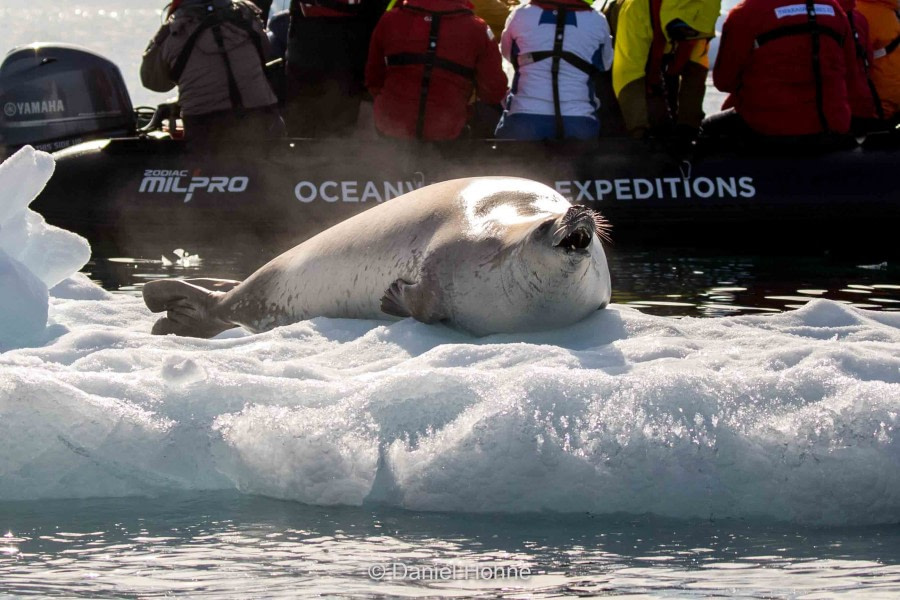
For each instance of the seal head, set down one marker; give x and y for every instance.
(547, 274)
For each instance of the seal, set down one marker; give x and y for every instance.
(484, 255)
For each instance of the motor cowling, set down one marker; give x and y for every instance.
(54, 96)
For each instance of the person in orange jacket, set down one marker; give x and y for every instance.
(865, 106)
(787, 68)
(884, 33)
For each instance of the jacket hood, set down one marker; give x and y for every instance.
(700, 15)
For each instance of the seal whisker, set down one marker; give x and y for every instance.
(578, 212)
(602, 227)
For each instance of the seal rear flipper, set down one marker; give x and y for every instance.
(189, 308)
(404, 299)
(172, 326)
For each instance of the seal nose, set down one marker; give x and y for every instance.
(576, 229)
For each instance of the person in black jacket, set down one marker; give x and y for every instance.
(328, 42)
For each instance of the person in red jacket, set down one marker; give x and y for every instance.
(787, 65)
(865, 105)
(423, 60)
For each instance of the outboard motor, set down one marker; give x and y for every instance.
(54, 96)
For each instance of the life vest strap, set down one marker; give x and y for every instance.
(557, 55)
(554, 70)
(894, 43)
(234, 92)
(573, 59)
(442, 13)
(430, 55)
(214, 20)
(404, 59)
(808, 28)
(863, 56)
(816, 31)
(882, 52)
(181, 61)
(429, 59)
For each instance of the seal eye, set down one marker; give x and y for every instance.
(544, 227)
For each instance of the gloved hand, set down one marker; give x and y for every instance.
(679, 31)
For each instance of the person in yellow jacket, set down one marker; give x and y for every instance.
(884, 35)
(661, 62)
(494, 13)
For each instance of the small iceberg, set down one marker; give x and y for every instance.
(34, 256)
(792, 416)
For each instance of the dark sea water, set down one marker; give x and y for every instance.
(663, 281)
(225, 544)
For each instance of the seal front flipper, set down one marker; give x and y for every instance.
(189, 308)
(404, 299)
(213, 285)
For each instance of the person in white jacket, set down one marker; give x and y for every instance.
(558, 50)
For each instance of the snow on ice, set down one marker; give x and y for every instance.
(791, 416)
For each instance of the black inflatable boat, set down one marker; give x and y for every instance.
(143, 195)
